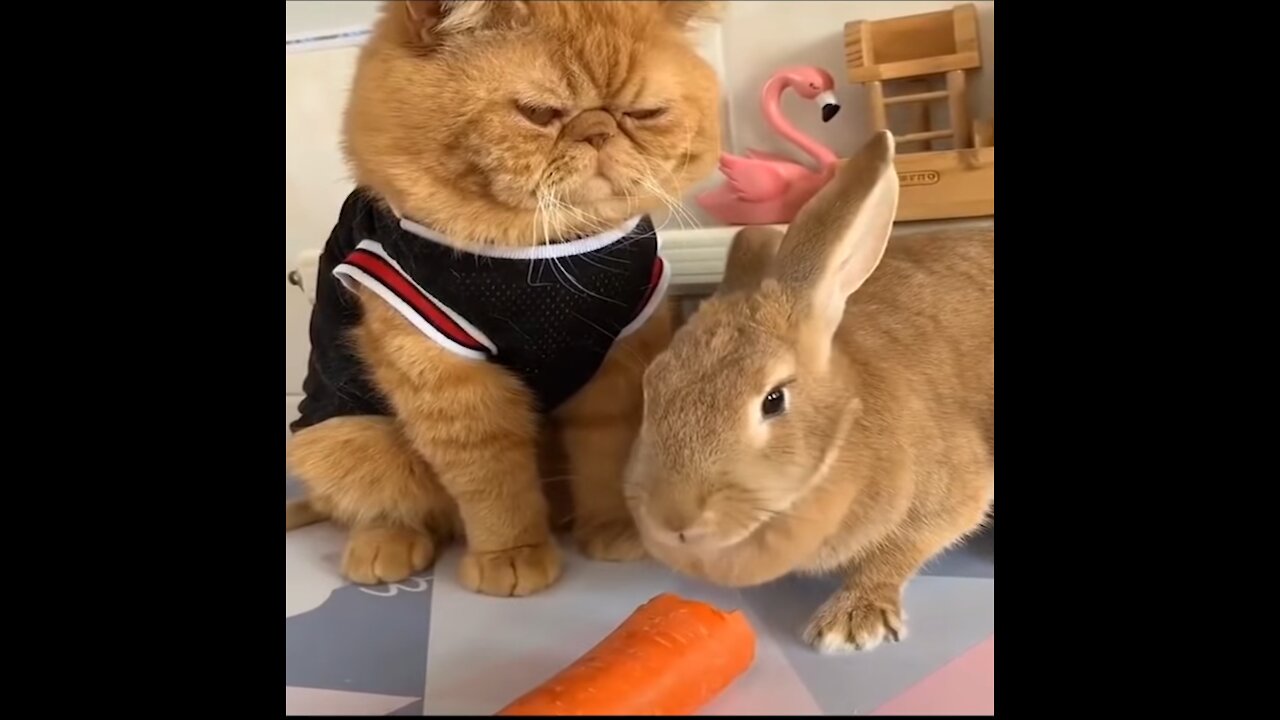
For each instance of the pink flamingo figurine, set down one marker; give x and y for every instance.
(763, 188)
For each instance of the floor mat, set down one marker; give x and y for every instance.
(425, 646)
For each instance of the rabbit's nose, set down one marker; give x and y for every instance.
(684, 526)
(680, 518)
(676, 511)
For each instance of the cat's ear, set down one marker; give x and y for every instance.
(429, 21)
(691, 12)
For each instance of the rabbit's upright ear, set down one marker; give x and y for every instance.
(840, 235)
(750, 258)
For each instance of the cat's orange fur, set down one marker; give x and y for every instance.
(435, 128)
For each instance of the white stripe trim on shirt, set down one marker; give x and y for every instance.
(656, 299)
(535, 252)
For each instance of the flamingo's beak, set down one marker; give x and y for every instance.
(830, 105)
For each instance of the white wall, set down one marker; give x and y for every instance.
(755, 40)
(316, 177)
(306, 16)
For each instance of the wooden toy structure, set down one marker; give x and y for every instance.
(923, 59)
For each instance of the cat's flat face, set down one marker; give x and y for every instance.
(512, 121)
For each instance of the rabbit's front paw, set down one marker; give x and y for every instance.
(851, 621)
(614, 541)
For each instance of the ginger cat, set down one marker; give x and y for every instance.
(506, 156)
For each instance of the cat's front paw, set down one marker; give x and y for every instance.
(506, 573)
(384, 555)
(611, 541)
(849, 622)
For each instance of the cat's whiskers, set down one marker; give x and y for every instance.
(538, 212)
(675, 177)
(588, 222)
(560, 207)
(645, 183)
(678, 206)
(551, 219)
(548, 202)
(592, 224)
(688, 140)
(651, 185)
(687, 216)
(673, 208)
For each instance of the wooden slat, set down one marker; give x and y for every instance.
(916, 97)
(857, 44)
(922, 136)
(914, 68)
(966, 29)
(961, 125)
(875, 103)
(923, 114)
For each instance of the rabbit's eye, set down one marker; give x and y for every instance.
(775, 403)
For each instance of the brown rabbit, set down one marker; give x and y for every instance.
(797, 425)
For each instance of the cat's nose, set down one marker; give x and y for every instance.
(598, 140)
(595, 127)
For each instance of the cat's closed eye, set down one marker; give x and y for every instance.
(539, 115)
(646, 114)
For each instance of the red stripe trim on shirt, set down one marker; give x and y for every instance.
(385, 273)
(655, 277)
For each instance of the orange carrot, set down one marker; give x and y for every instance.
(671, 657)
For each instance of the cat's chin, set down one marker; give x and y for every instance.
(599, 200)
(613, 210)
(595, 189)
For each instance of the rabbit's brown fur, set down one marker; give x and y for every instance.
(885, 454)
(435, 131)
